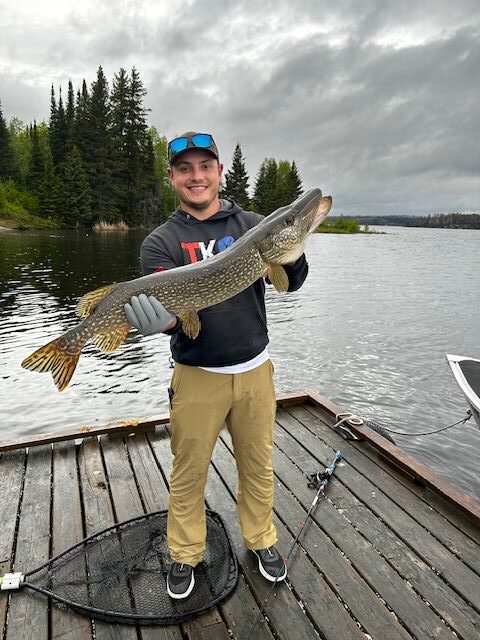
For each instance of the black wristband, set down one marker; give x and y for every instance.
(175, 329)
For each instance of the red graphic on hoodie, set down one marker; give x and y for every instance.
(206, 250)
(190, 247)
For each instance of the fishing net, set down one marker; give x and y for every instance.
(119, 574)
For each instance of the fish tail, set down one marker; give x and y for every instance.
(59, 356)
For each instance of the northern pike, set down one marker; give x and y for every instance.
(278, 239)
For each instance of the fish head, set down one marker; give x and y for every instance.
(286, 230)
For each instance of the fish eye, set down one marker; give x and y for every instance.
(290, 221)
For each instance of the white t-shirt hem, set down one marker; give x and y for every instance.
(243, 366)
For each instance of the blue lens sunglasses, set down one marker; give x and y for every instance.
(200, 140)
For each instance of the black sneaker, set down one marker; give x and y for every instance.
(271, 564)
(180, 581)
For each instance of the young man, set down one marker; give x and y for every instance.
(223, 376)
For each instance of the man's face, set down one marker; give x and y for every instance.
(196, 177)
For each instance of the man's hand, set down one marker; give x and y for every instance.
(148, 315)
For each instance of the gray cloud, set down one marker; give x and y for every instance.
(377, 102)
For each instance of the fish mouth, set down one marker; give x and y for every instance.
(319, 212)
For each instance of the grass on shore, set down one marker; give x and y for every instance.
(24, 220)
(16, 207)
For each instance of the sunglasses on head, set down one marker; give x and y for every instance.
(200, 140)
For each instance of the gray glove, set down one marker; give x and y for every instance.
(148, 315)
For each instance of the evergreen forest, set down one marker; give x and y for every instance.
(98, 162)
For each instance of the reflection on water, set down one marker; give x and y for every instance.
(369, 329)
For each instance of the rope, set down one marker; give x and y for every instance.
(358, 421)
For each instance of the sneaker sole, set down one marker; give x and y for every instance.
(181, 596)
(266, 575)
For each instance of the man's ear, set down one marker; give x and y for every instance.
(220, 169)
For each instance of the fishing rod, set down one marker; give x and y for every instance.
(317, 481)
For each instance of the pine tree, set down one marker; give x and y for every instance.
(81, 123)
(119, 113)
(76, 191)
(294, 183)
(21, 143)
(289, 184)
(98, 161)
(166, 192)
(271, 180)
(70, 119)
(50, 197)
(282, 193)
(57, 129)
(149, 206)
(236, 180)
(265, 196)
(132, 153)
(137, 155)
(7, 154)
(61, 132)
(259, 193)
(53, 110)
(37, 163)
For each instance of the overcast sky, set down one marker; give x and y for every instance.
(378, 102)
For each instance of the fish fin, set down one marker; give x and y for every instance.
(58, 357)
(109, 342)
(90, 301)
(278, 277)
(190, 322)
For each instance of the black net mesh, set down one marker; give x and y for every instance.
(119, 574)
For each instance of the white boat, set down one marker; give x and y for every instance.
(467, 374)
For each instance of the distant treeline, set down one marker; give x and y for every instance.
(437, 221)
(98, 162)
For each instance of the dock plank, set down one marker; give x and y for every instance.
(433, 553)
(67, 530)
(98, 515)
(448, 604)
(11, 484)
(351, 588)
(28, 615)
(448, 534)
(149, 478)
(128, 504)
(343, 528)
(443, 599)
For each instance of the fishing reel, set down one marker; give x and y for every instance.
(316, 479)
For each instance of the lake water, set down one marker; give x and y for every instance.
(369, 329)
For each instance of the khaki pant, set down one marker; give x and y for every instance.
(201, 403)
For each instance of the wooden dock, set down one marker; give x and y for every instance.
(391, 551)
